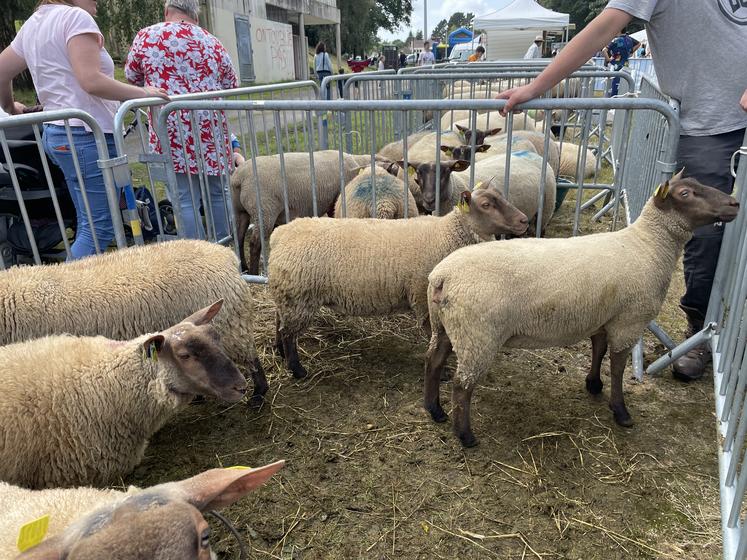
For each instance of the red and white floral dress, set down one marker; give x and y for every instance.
(184, 58)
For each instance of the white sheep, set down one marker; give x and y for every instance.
(390, 192)
(486, 120)
(519, 140)
(535, 293)
(395, 150)
(300, 201)
(371, 267)
(125, 293)
(570, 160)
(163, 521)
(80, 410)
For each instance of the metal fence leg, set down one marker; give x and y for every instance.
(659, 333)
(678, 351)
(637, 356)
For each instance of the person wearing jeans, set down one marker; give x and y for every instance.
(181, 57)
(72, 70)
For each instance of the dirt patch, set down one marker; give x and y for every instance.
(369, 475)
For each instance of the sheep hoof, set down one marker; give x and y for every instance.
(256, 400)
(299, 372)
(622, 417)
(594, 386)
(468, 439)
(438, 414)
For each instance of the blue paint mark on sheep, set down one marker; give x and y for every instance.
(385, 187)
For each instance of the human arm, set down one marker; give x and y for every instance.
(743, 101)
(11, 64)
(84, 54)
(582, 47)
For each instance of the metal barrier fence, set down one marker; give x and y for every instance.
(244, 112)
(726, 332)
(638, 68)
(36, 208)
(150, 169)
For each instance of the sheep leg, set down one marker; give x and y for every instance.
(617, 402)
(255, 251)
(260, 384)
(598, 350)
(435, 359)
(290, 349)
(278, 338)
(461, 398)
(242, 226)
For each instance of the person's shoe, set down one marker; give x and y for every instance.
(691, 366)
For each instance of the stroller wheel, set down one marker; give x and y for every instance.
(167, 217)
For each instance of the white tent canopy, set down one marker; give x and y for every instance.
(520, 15)
(640, 36)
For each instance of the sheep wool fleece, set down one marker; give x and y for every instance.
(359, 267)
(125, 293)
(535, 293)
(85, 416)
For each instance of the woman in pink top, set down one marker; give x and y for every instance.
(63, 48)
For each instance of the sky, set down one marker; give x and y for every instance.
(437, 10)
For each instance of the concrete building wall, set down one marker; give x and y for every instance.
(272, 43)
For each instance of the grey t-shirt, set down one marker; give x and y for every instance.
(698, 47)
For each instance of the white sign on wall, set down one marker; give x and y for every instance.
(272, 46)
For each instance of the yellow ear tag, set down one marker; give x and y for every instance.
(662, 191)
(32, 533)
(449, 152)
(410, 171)
(362, 169)
(463, 206)
(150, 353)
(238, 467)
(478, 185)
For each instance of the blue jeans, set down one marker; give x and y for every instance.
(191, 226)
(57, 147)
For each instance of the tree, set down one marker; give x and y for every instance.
(460, 19)
(361, 19)
(15, 10)
(441, 29)
(419, 35)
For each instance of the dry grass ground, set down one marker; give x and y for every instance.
(369, 475)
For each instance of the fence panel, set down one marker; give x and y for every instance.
(37, 214)
(149, 169)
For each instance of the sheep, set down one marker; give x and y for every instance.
(520, 140)
(163, 521)
(463, 117)
(570, 159)
(125, 293)
(297, 171)
(390, 192)
(371, 267)
(524, 183)
(535, 293)
(395, 151)
(423, 174)
(96, 401)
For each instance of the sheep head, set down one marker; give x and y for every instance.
(491, 214)
(480, 135)
(464, 151)
(698, 204)
(198, 364)
(424, 175)
(163, 521)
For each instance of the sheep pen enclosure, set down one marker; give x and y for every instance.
(369, 475)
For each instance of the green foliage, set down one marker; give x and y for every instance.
(361, 19)
(419, 35)
(457, 20)
(120, 20)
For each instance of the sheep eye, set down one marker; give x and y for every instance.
(486, 205)
(205, 538)
(183, 356)
(684, 194)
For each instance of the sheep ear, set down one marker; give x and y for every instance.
(448, 150)
(152, 346)
(218, 488)
(459, 165)
(493, 131)
(204, 316)
(461, 128)
(483, 147)
(464, 200)
(678, 176)
(393, 168)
